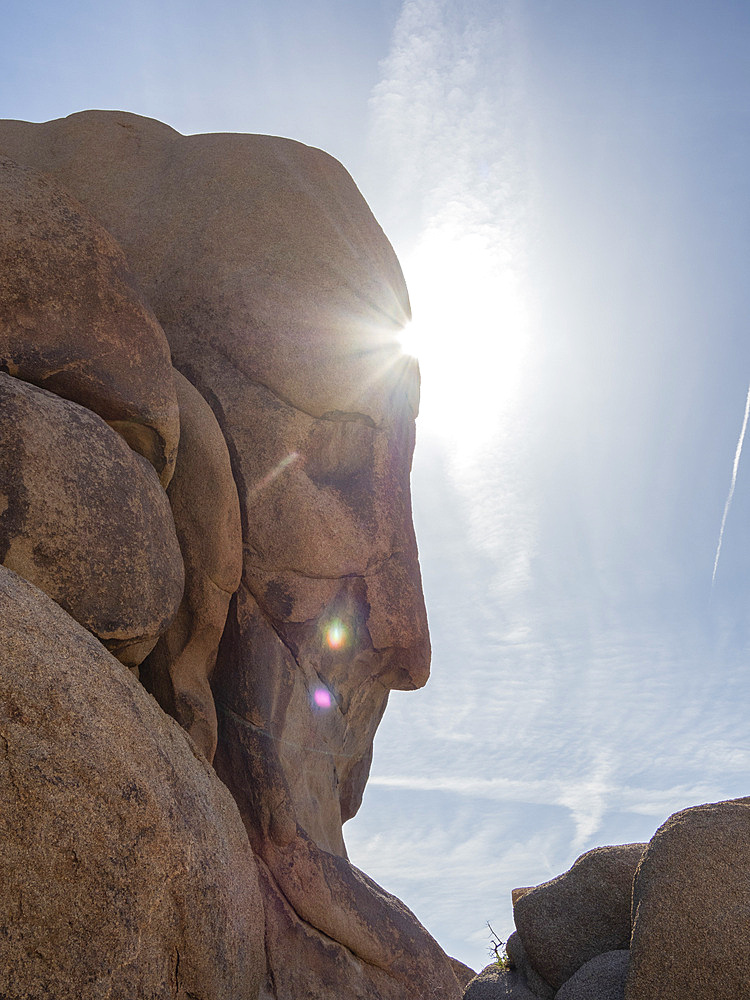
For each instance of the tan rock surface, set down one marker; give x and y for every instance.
(580, 914)
(255, 244)
(281, 298)
(125, 869)
(72, 319)
(206, 509)
(85, 519)
(691, 907)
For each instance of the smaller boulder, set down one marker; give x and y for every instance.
(603, 978)
(691, 907)
(494, 983)
(584, 912)
(84, 518)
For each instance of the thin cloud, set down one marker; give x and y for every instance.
(732, 485)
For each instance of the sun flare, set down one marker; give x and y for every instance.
(469, 333)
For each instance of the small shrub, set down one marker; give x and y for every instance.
(497, 950)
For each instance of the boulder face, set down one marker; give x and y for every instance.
(72, 319)
(581, 914)
(85, 519)
(125, 869)
(691, 900)
(280, 298)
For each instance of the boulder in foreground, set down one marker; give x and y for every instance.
(691, 907)
(125, 870)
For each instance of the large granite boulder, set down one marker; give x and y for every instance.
(281, 299)
(584, 912)
(691, 907)
(85, 519)
(72, 319)
(125, 869)
(206, 509)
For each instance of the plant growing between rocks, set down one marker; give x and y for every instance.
(497, 948)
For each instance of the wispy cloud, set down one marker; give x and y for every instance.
(566, 709)
(448, 117)
(730, 495)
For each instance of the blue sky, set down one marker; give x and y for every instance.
(566, 184)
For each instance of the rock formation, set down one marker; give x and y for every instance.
(657, 921)
(580, 914)
(280, 299)
(691, 907)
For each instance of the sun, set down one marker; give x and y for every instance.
(469, 334)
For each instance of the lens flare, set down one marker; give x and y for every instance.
(337, 635)
(322, 697)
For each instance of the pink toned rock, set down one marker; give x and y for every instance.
(580, 914)
(281, 299)
(72, 319)
(691, 901)
(204, 502)
(85, 519)
(125, 869)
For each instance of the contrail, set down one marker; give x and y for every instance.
(736, 466)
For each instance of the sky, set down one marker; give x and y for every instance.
(566, 185)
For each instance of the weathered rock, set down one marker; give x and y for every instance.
(494, 983)
(72, 320)
(580, 914)
(204, 502)
(125, 870)
(321, 967)
(85, 519)
(519, 961)
(281, 299)
(602, 978)
(691, 907)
